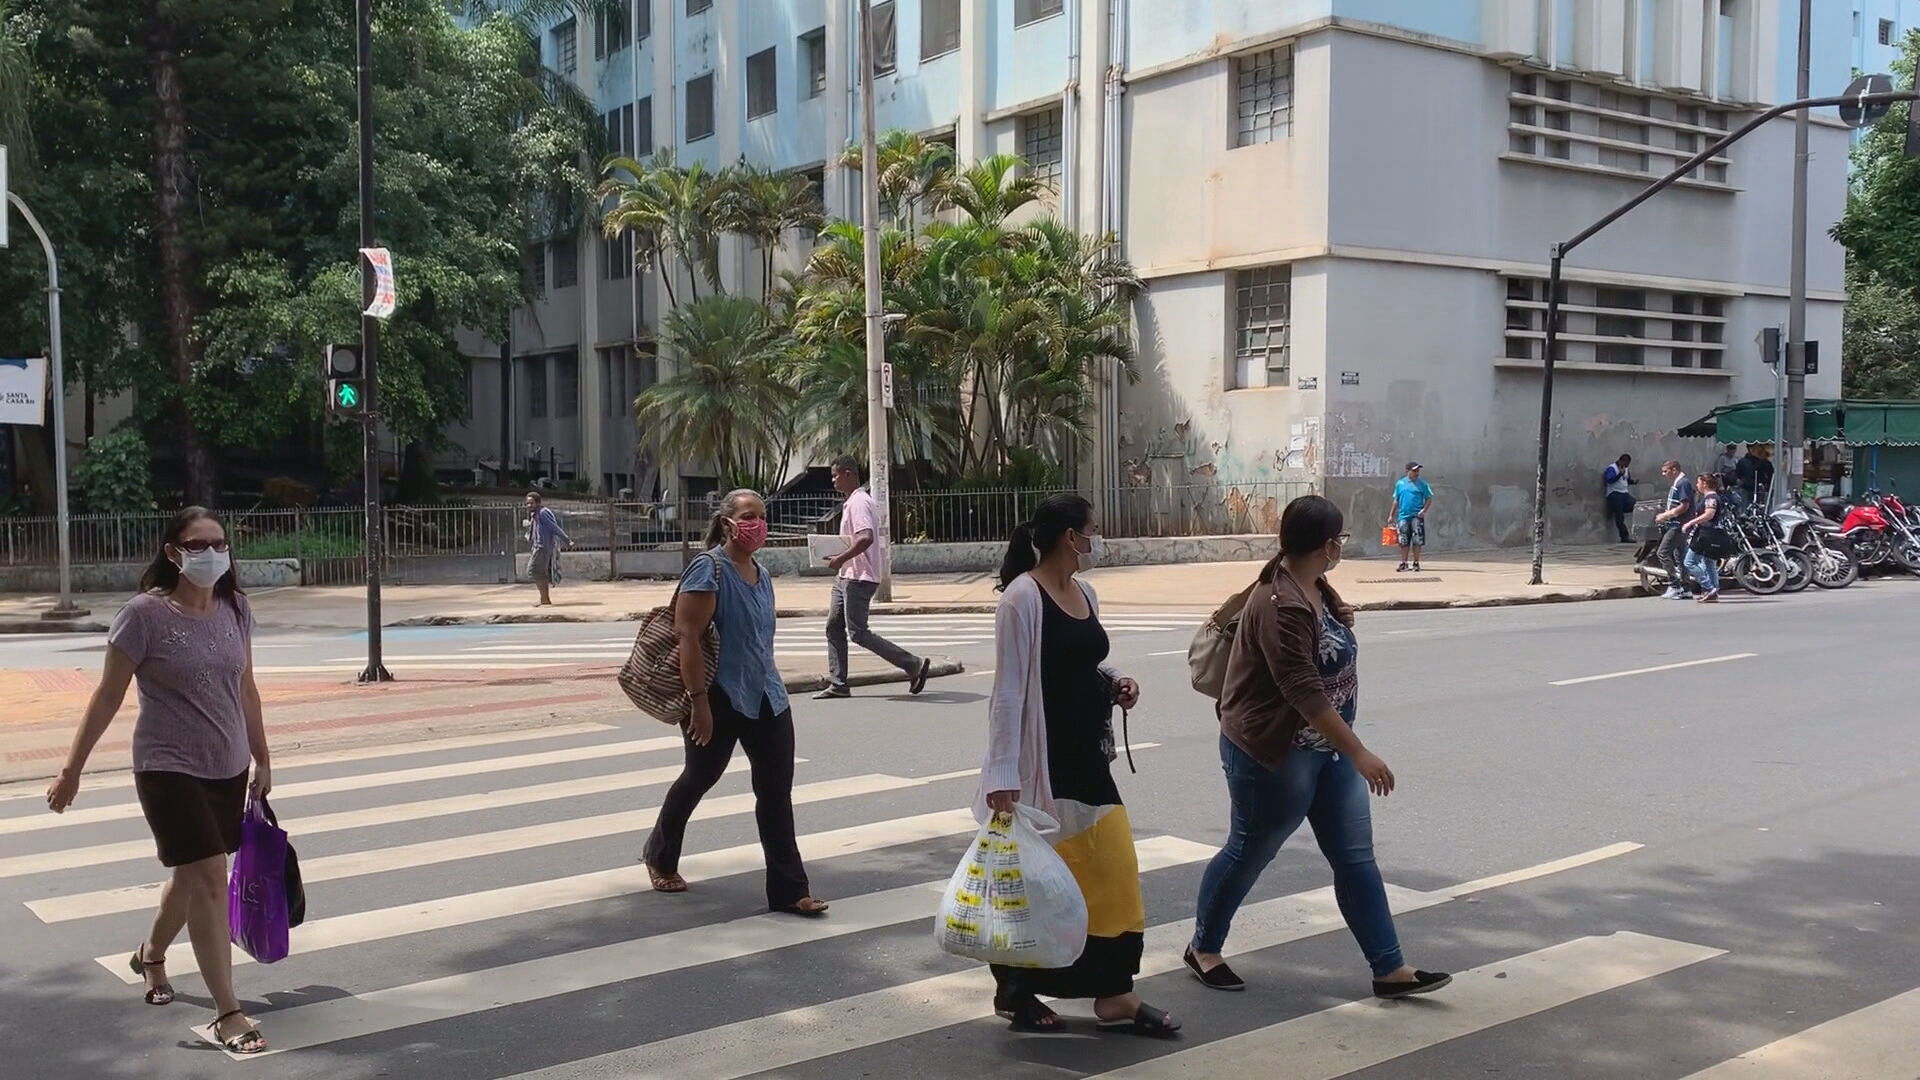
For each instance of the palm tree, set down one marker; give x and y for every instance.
(991, 190)
(728, 404)
(674, 209)
(914, 174)
(765, 205)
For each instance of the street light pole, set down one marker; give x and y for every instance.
(1796, 408)
(879, 457)
(375, 671)
(65, 609)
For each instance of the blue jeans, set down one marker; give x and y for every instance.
(1704, 570)
(1268, 805)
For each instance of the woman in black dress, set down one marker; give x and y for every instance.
(1050, 745)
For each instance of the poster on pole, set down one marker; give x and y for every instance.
(886, 385)
(23, 390)
(381, 260)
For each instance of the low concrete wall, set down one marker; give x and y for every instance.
(973, 558)
(125, 577)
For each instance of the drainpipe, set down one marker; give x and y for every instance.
(1070, 120)
(1111, 190)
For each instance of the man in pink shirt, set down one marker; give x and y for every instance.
(859, 578)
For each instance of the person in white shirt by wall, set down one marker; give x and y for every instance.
(858, 570)
(1618, 480)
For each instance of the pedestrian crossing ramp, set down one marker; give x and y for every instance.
(502, 931)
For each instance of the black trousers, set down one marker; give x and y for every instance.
(768, 742)
(1620, 511)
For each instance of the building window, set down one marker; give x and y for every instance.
(1609, 324)
(566, 48)
(566, 263)
(642, 19)
(939, 28)
(886, 39)
(618, 255)
(699, 108)
(763, 95)
(643, 128)
(695, 7)
(537, 269)
(566, 390)
(817, 183)
(1263, 320)
(1040, 144)
(1886, 31)
(1610, 130)
(813, 46)
(1032, 11)
(536, 368)
(1263, 96)
(610, 28)
(619, 124)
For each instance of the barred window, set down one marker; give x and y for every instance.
(610, 27)
(1886, 31)
(566, 48)
(1040, 144)
(1032, 11)
(537, 268)
(1607, 324)
(1263, 324)
(763, 95)
(1609, 130)
(699, 108)
(813, 45)
(1263, 96)
(566, 263)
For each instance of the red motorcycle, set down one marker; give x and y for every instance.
(1875, 537)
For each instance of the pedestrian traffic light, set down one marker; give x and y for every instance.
(346, 381)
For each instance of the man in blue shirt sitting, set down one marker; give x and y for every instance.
(1411, 497)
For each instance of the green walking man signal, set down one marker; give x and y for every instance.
(346, 381)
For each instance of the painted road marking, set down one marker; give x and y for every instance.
(1361, 1034)
(363, 927)
(533, 980)
(1652, 670)
(1878, 1042)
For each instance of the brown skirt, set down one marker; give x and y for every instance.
(192, 819)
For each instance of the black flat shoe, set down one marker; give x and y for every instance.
(1220, 978)
(1028, 1015)
(919, 682)
(1424, 982)
(1147, 1021)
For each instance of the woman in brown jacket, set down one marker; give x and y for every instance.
(1290, 754)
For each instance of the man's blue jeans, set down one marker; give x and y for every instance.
(1268, 805)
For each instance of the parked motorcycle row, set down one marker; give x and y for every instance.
(1827, 544)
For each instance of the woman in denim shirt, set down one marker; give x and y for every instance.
(727, 588)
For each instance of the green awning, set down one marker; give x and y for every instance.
(1858, 422)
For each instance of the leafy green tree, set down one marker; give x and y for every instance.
(729, 403)
(1881, 339)
(767, 206)
(113, 477)
(916, 176)
(1881, 231)
(675, 211)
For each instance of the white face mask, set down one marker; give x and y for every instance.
(205, 568)
(1090, 558)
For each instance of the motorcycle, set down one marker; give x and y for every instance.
(1903, 530)
(1876, 539)
(1758, 569)
(1761, 536)
(1834, 564)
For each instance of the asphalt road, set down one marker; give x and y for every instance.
(1654, 836)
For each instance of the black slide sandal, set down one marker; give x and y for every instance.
(1147, 1020)
(1028, 1015)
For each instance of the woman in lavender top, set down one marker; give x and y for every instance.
(187, 640)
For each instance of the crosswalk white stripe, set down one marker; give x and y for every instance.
(533, 980)
(380, 924)
(1361, 1034)
(100, 854)
(786, 1039)
(454, 849)
(1879, 1042)
(333, 785)
(621, 653)
(285, 761)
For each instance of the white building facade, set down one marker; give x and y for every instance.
(1342, 208)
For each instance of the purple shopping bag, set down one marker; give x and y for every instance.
(257, 891)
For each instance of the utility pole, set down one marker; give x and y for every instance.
(879, 457)
(376, 671)
(1795, 438)
(65, 609)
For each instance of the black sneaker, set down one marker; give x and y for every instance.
(833, 693)
(1424, 982)
(1403, 568)
(1416, 568)
(919, 680)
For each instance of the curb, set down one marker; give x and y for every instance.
(1608, 592)
(55, 627)
(541, 617)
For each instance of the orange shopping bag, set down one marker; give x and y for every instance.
(1389, 536)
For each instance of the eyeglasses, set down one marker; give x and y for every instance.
(198, 546)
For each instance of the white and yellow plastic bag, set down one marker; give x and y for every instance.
(1012, 899)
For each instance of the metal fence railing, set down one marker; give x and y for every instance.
(482, 542)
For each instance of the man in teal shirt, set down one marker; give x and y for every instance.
(1411, 497)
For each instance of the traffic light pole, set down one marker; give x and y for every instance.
(376, 671)
(1557, 254)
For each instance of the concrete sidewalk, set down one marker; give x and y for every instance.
(1483, 578)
